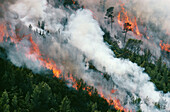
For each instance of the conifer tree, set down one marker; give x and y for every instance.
(65, 105)
(4, 102)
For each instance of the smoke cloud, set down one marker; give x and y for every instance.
(86, 35)
(150, 14)
(74, 36)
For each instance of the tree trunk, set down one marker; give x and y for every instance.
(125, 37)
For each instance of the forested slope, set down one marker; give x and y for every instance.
(159, 72)
(23, 91)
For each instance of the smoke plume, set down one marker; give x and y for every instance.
(86, 35)
(152, 19)
(75, 35)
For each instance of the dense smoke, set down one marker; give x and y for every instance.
(152, 18)
(86, 35)
(53, 46)
(74, 36)
(150, 10)
(4, 7)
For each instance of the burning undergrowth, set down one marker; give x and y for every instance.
(72, 38)
(132, 20)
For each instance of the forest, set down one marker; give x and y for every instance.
(21, 90)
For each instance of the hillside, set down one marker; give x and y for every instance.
(84, 56)
(23, 91)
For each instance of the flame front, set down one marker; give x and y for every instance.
(124, 19)
(51, 65)
(34, 48)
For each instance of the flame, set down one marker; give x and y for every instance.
(113, 91)
(131, 25)
(47, 63)
(3, 32)
(34, 48)
(73, 1)
(51, 65)
(164, 46)
(123, 19)
(117, 105)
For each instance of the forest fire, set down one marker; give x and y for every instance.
(51, 65)
(73, 1)
(34, 49)
(164, 46)
(113, 91)
(114, 73)
(129, 24)
(3, 32)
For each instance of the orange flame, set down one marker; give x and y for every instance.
(124, 19)
(73, 1)
(113, 91)
(164, 46)
(117, 105)
(34, 49)
(51, 65)
(3, 32)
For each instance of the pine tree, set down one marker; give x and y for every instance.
(30, 27)
(109, 110)
(65, 105)
(4, 102)
(94, 107)
(43, 25)
(159, 64)
(41, 96)
(39, 24)
(109, 15)
(14, 102)
(52, 110)
(27, 103)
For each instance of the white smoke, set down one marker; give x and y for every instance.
(29, 11)
(54, 46)
(19, 59)
(153, 13)
(152, 10)
(86, 35)
(25, 8)
(85, 38)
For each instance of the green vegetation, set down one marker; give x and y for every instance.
(23, 91)
(159, 73)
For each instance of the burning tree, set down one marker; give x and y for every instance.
(129, 23)
(127, 27)
(109, 15)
